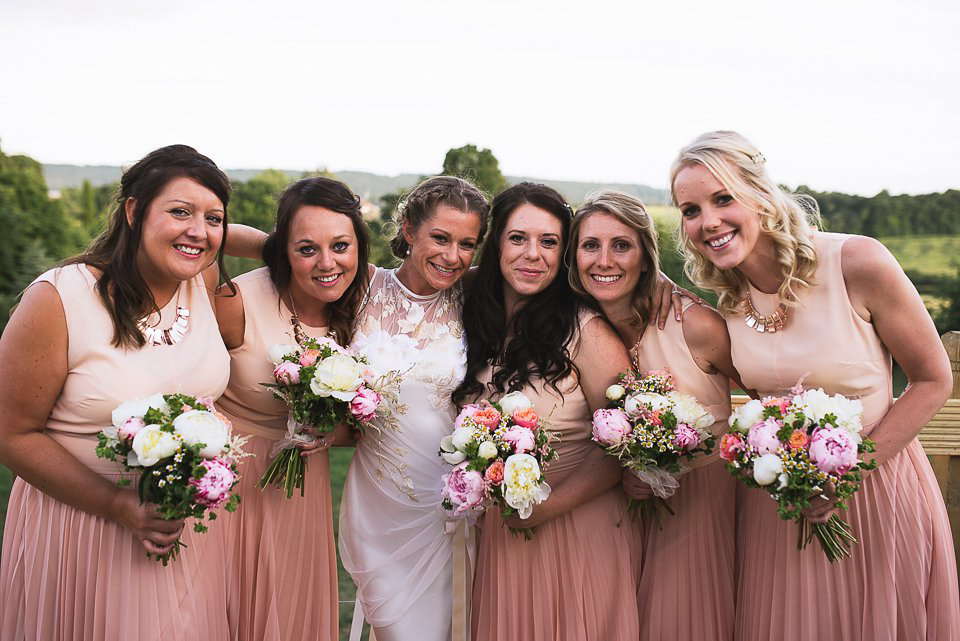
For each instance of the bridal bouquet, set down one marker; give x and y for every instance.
(498, 451)
(184, 452)
(324, 385)
(795, 447)
(651, 428)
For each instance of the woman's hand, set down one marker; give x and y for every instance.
(322, 443)
(667, 295)
(156, 534)
(635, 488)
(541, 514)
(822, 506)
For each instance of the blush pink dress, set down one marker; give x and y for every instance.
(283, 561)
(686, 579)
(67, 575)
(901, 580)
(575, 580)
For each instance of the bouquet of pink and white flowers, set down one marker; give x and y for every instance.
(498, 451)
(796, 447)
(324, 385)
(651, 428)
(184, 451)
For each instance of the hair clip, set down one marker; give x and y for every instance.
(758, 159)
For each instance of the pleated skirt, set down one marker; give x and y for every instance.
(283, 564)
(574, 581)
(687, 573)
(899, 584)
(66, 575)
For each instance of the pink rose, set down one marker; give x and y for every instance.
(213, 488)
(309, 357)
(730, 446)
(526, 417)
(364, 405)
(130, 428)
(782, 403)
(685, 438)
(521, 438)
(494, 473)
(487, 416)
(467, 412)
(466, 489)
(763, 436)
(207, 401)
(287, 373)
(833, 450)
(611, 427)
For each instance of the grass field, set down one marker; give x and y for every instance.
(934, 255)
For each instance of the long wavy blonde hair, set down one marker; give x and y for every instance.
(788, 219)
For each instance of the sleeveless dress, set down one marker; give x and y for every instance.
(575, 580)
(901, 580)
(66, 574)
(282, 555)
(393, 535)
(686, 581)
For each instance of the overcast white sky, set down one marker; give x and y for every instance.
(839, 95)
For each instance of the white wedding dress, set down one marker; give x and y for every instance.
(393, 539)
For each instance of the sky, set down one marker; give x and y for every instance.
(839, 95)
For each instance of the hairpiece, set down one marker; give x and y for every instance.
(758, 159)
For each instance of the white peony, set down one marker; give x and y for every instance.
(338, 376)
(689, 411)
(152, 444)
(454, 458)
(522, 488)
(767, 469)
(615, 392)
(637, 402)
(137, 408)
(276, 352)
(462, 437)
(746, 416)
(514, 401)
(487, 450)
(446, 443)
(201, 426)
(385, 352)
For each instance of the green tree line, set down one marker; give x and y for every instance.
(886, 215)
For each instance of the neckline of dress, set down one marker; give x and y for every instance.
(179, 297)
(423, 298)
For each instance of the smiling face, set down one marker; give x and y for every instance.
(441, 249)
(610, 259)
(531, 249)
(721, 228)
(323, 252)
(182, 233)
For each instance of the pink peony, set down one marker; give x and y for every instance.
(213, 489)
(521, 438)
(763, 436)
(309, 357)
(526, 417)
(611, 427)
(833, 450)
(364, 405)
(130, 428)
(287, 373)
(494, 473)
(467, 412)
(466, 489)
(685, 438)
(730, 445)
(487, 416)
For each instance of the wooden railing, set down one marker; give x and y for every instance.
(941, 441)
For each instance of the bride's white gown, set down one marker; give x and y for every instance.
(392, 537)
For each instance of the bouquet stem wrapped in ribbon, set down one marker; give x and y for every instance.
(324, 385)
(498, 451)
(799, 446)
(651, 428)
(185, 454)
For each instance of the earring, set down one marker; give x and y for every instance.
(408, 251)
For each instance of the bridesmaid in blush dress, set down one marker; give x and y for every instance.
(830, 310)
(686, 577)
(575, 579)
(283, 561)
(73, 564)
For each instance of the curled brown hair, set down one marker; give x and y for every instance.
(419, 205)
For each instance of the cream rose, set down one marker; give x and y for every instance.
(514, 401)
(199, 426)
(487, 450)
(767, 469)
(615, 392)
(151, 444)
(462, 437)
(339, 376)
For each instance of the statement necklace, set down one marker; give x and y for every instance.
(171, 335)
(298, 334)
(769, 324)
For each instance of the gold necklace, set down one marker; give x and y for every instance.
(298, 334)
(771, 323)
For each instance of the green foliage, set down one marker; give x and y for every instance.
(479, 166)
(886, 215)
(254, 202)
(89, 206)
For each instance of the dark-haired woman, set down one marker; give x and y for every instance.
(88, 335)
(282, 551)
(575, 578)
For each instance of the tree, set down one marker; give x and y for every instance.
(254, 202)
(479, 166)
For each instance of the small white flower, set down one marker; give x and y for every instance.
(514, 401)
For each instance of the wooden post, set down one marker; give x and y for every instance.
(946, 465)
